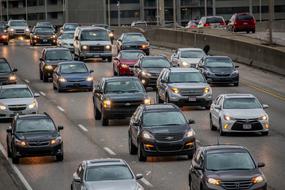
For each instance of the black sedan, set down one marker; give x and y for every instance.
(160, 130)
(43, 35)
(118, 98)
(222, 167)
(34, 135)
(133, 41)
(4, 34)
(7, 73)
(219, 69)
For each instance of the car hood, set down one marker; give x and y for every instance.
(191, 60)
(76, 75)
(17, 101)
(123, 97)
(18, 27)
(67, 41)
(95, 43)
(233, 175)
(245, 113)
(168, 129)
(188, 85)
(221, 70)
(128, 62)
(37, 136)
(134, 43)
(112, 185)
(153, 70)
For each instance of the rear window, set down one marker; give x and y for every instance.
(215, 20)
(244, 17)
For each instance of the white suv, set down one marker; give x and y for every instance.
(18, 28)
(92, 42)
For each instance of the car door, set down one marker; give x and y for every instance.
(196, 173)
(136, 126)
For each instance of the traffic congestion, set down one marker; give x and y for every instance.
(149, 104)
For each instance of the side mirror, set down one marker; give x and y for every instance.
(260, 164)
(139, 176)
(9, 130)
(218, 107)
(76, 38)
(41, 59)
(76, 178)
(265, 106)
(15, 70)
(196, 167)
(191, 121)
(236, 66)
(59, 128)
(91, 71)
(36, 95)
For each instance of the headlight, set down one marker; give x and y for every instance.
(227, 118)
(48, 67)
(108, 47)
(89, 78)
(189, 133)
(2, 107)
(124, 66)
(84, 47)
(184, 63)
(58, 140)
(11, 29)
(147, 101)
(214, 181)
(145, 46)
(208, 73)
(111, 34)
(144, 73)
(27, 30)
(20, 142)
(61, 79)
(32, 105)
(53, 36)
(257, 179)
(107, 103)
(147, 135)
(175, 90)
(37, 37)
(12, 78)
(263, 118)
(207, 90)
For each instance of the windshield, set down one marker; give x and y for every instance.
(134, 37)
(242, 103)
(186, 77)
(44, 30)
(192, 54)
(18, 23)
(214, 20)
(66, 36)
(229, 161)
(5, 68)
(68, 27)
(125, 86)
(94, 35)
(219, 62)
(163, 118)
(73, 68)
(108, 173)
(155, 63)
(102, 26)
(34, 125)
(44, 24)
(15, 93)
(131, 55)
(59, 55)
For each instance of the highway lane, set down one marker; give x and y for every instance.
(163, 173)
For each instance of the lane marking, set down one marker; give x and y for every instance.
(82, 127)
(146, 182)
(60, 108)
(149, 172)
(42, 93)
(27, 81)
(16, 170)
(109, 151)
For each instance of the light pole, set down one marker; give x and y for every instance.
(157, 12)
(260, 10)
(119, 14)
(7, 9)
(46, 15)
(1, 10)
(205, 8)
(250, 6)
(270, 21)
(109, 13)
(26, 10)
(174, 14)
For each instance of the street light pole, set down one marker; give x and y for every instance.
(7, 9)
(260, 10)
(205, 8)
(46, 10)
(1, 10)
(119, 13)
(250, 6)
(174, 14)
(157, 12)
(109, 13)
(214, 7)
(26, 10)
(270, 21)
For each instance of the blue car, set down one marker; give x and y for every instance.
(72, 75)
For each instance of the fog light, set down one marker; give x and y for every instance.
(147, 101)
(190, 144)
(108, 47)
(267, 126)
(12, 77)
(107, 103)
(143, 81)
(226, 126)
(48, 67)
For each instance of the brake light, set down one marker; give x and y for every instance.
(206, 24)
(222, 23)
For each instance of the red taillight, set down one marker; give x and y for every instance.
(222, 23)
(206, 24)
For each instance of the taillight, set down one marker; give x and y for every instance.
(222, 23)
(206, 24)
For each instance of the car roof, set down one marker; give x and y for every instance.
(154, 57)
(130, 33)
(239, 96)
(91, 28)
(184, 70)
(55, 48)
(33, 116)
(105, 162)
(223, 148)
(191, 49)
(70, 62)
(121, 78)
(160, 107)
(10, 86)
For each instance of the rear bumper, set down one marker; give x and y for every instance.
(44, 41)
(39, 151)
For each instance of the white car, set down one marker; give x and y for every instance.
(66, 40)
(17, 99)
(238, 113)
(18, 28)
(187, 57)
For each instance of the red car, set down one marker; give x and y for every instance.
(242, 22)
(125, 60)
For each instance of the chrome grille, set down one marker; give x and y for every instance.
(254, 123)
(97, 48)
(38, 143)
(127, 104)
(169, 137)
(236, 185)
(17, 107)
(169, 147)
(192, 92)
(20, 31)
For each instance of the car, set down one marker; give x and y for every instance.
(141, 24)
(50, 57)
(148, 68)
(118, 98)
(18, 29)
(44, 24)
(124, 62)
(219, 70)
(192, 24)
(65, 40)
(3, 35)
(34, 135)
(69, 27)
(92, 42)
(7, 73)
(72, 75)
(133, 41)
(212, 22)
(17, 99)
(183, 86)
(43, 35)
(242, 22)
(219, 167)
(238, 113)
(160, 130)
(187, 57)
(107, 27)
(102, 174)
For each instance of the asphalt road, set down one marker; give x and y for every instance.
(85, 138)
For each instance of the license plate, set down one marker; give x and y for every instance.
(245, 23)
(192, 99)
(44, 40)
(246, 126)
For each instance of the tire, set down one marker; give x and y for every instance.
(158, 98)
(59, 90)
(253, 31)
(45, 77)
(212, 127)
(265, 133)
(105, 121)
(9, 153)
(222, 133)
(97, 114)
(190, 156)
(41, 74)
(236, 83)
(207, 107)
(53, 86)
(59, 158)
(167, 98)
(15, 159)
(247, 31)
(141, 155)
(109, 59)
(114, 72)
(132, 148)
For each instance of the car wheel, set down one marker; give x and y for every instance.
(222, 133)
(59, 157)
(253, 31)
(236, 83)
(15, 159)
(109, 59)
(105, 121)
(208, 106)
(45, 77)
(53, 86)
(132, 148)
(141, 155)
(97, 113)
(5, 43)
(158, 98)
(114, 72)
(247, 31)
(212, 127)
(265, 133)
(41, 74)
(59, 90)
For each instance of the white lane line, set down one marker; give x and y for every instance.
(82, 127)
(16, 170)
(60, 108)
(42, 93)
(146, 182)
(27, 81)
(149, 172)
(109, 151)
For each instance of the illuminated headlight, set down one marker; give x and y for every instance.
(214, 181)
(111, 34)
(61, 79)
(263, 118)
(145, 46)
(144, 73)
(175, 90)
(48, 67)
(58, 140)
(108, 47)
(228, 118)
(11, 29)
(84, 47)
(147, 135)
(20, 143)
(2, 107)
(125, 66)
(53, 36)
(27, 30)
(207, 90)
(32, 105)
(37, 37)
(235, 72)
(5, 31)
(184, 63)
(257, 179)
(147, 101)
(107, 103)
(89, 78)
(189, 133)
(12, 78)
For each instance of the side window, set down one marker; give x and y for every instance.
(220, 102)
(217, 100)
(165, 76)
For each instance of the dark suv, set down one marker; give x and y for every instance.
(160, 129)
(118, 98)
(242, 22)
(220, 167)
(34, 135)
(7, 74)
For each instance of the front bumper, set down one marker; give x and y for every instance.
(44, 41)
(222, 79)
(204, 100)
(241, 126)
(260, 186)
(8, 114)
(119, 113)
(76, 85)
(88, 54)
(49, 150)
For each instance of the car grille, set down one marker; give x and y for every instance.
(236, 185)
(222, 75)
(38, 143)
(169, 137)
(20, 31)
(3, 79)
(254, 123)
(17, 107)
(97, 48)
(155, 75)
(192, 92)
(127, 104)
(168, 147)
(76, 80)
